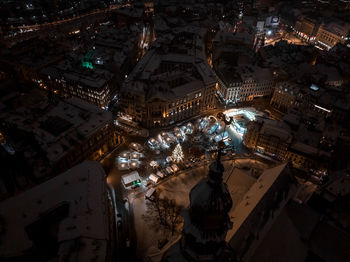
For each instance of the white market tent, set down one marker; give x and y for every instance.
(131, 179)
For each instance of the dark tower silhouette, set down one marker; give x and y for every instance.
(206, 220)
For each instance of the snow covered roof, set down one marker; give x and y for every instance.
(131, 177)
(276, 128)
(174, 50)
(83, 189)
(95, 79)
(304, 148)
(288, 86)
(340, 186)
(241, 212)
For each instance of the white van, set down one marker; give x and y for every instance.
(154, 178)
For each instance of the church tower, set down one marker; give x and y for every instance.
(206, 220)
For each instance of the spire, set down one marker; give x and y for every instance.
(216, 168)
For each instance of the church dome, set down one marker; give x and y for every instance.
(210, 202)
(206, 220)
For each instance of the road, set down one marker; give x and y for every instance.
(21, 33)
(68, 20)
(289, 37)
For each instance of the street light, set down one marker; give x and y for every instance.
(223, 117)
(221, 144)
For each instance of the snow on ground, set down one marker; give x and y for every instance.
(238, 180)
(178, 188)
(147, 237)
(238, 183)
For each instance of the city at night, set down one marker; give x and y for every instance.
(175, 131)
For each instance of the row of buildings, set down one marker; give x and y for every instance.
(315, 118)
(325, 35)
(305, 147)
(49, 135)
(89, 64)
(331, 104)
(244, 83)
(240, 78)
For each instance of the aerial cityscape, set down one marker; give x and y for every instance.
(175, 130)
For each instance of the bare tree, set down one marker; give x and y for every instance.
(155, 213)
(173, 217)
(163, 213)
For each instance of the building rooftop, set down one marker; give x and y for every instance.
(250, 200)
(81, 192)
(338, 27)
(276, 128)
(341, 185)
(304, 148)
(59, 125)
(96, 78)
(185, 51)
(288, 87)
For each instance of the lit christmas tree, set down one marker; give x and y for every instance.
(178, 155)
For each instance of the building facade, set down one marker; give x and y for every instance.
(269, 137)
(306, 29)
(328, 35)
(170, 83)
(284, 96)
(302, 156)
(244, 84)
(89, 84)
